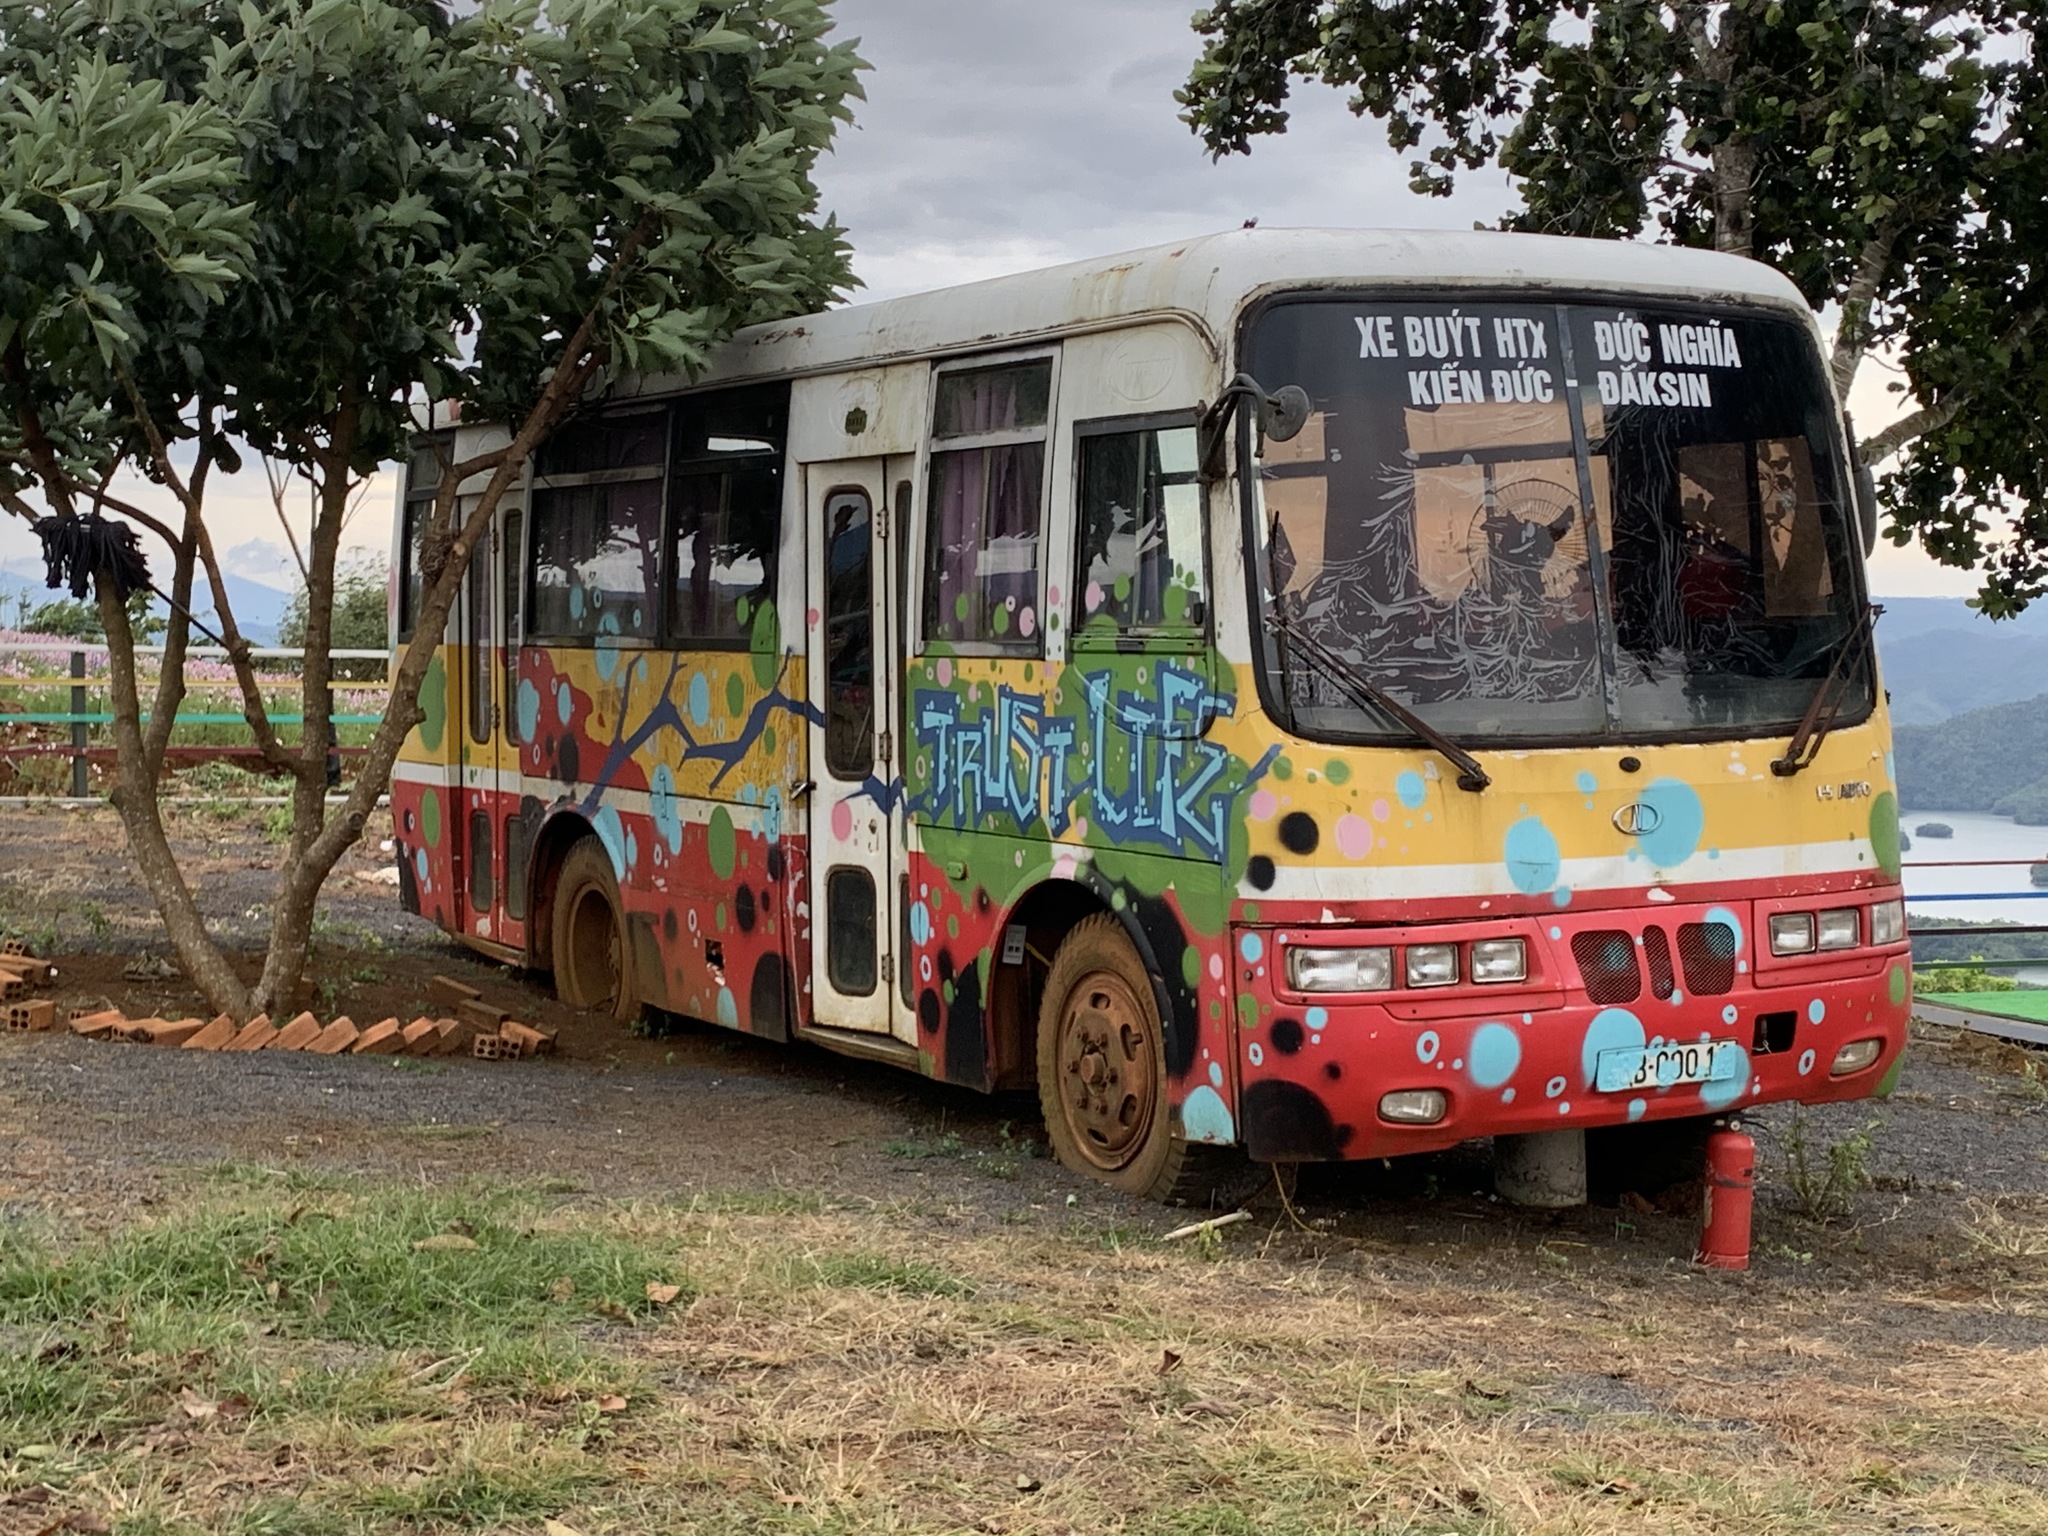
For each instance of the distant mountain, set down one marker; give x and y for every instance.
(259, 607)
(1942, 658)
(1993, 759)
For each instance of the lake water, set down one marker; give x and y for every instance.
(1978, 836)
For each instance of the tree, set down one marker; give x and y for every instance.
(76, 620)
(1890, 156)
(291, 223)
(359, 618)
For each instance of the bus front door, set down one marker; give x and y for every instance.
(854, 815)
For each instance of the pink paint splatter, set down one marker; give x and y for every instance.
(946, 672)
(1052, 597)
(811, 617)
(842, 821)
(1215, 967)
(1354, 836)
(1263, 805)
(1027, 622)
(1091, 597)
(1381, 810)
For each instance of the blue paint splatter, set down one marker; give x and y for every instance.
(1532, 857)
(1317, 1017)
(1586, 782)
(1216, 1074)
(576, 602)
(728, 1009)
(419, 864)
(666, 809)
(529, 709)
(920, 923)
(1427, 1045)
(1720, 1095)
(612, 833)
(1204, 1117)
(1561, 897)
(1410, 788)
(700, 701)
(1805, 1062)
(1507, 1095)
(565, 703)
(771, 814)
(1251, 947)
(1730, 921)
(1612, 1029)
(1730, 1014)
(1637, 1109)
(1680, 820)
(1816, 1010)
(1553, 1088)
(1495, 1052)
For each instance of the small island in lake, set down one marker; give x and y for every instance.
(2038, 872)
(1905, 843)
(1934, 829)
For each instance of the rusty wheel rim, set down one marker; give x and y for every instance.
(594, 949)
(1108, 1070)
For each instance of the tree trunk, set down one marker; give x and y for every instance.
(1734, 176)
(135, 798)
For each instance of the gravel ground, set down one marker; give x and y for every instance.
(95, 1129)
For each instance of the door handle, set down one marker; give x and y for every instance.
(801, 788)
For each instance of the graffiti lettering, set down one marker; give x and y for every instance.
(1147, 778)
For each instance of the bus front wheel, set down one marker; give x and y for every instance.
(1102, 1071)
(593, 968)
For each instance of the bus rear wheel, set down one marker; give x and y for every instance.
(593, 969)
(1102, 1071)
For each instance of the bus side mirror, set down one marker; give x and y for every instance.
(1865, 489)
(1284, 413)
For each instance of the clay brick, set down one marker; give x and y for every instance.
(13, 947)
(298, 1034)
(384, 1038)
(138, 1030)
(217, 1035)
(456, 1036)
(254, 1035)
(531, 1041)
(159, 1032)
(97, 1026)
(11, 987)
(494, 1048)
(446, 989)
(334, 1039)
(23, 968)
(485, 1016)
(422, 1038)
(32, 1017)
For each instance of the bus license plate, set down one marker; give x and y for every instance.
(1668, 1066)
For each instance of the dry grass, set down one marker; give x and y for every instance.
(906, 1370)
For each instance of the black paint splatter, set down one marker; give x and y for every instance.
(1287, 1036)
(1299, 833)
(1259, 870)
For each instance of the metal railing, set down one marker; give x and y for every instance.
(1982, 1017)
(32, 732)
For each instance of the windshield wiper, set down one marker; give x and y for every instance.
(1369, 694)
(1828, 698)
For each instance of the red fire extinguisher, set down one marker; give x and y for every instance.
(1731, 1190)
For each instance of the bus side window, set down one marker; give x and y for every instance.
(725, 513)
(1139, 562)
(596, 528)
(984, 507)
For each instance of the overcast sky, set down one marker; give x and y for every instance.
(999, 136)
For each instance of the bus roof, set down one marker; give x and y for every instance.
(1206, 279)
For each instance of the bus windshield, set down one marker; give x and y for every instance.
(1664, 549)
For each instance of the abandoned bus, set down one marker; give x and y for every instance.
(1327, 694)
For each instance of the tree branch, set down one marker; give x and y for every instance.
(1852, 336)
(1933, 418)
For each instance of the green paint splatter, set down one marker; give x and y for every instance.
(1283, 768)
(1191, 966)
(1884, 832)
(718, 917)
(1247, 1011)
(764, 640)
(1896, 985)
(724, 846)
(953, 925)
(430, 817)
(735, 696)
(1337, 771)
(1890, 1080)
(434, 701)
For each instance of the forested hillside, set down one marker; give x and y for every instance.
(1993, 759)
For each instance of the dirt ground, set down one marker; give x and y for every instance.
(1914, 1326)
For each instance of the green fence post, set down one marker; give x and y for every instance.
(81, 784)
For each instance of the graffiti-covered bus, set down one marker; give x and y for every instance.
(1296, 694)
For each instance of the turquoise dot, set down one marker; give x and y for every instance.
(1637, 1109)
(1495, 1052)
(1586, 782)
(1816, 1010)
(1251, 948)
(1410, 788)
(1532, 855)
(1427, 1045)
(700, 701)
(1318, 1017)
(1678, 819)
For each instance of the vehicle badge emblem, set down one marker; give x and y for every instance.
(1638, 818)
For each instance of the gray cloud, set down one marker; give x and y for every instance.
(1000, 136)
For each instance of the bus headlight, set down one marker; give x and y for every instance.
(1500, 960)
(1888, 922)
(1432, 965)
(1837, 929)
(1792, 933)
(1340, 970)
(1855, 1056)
